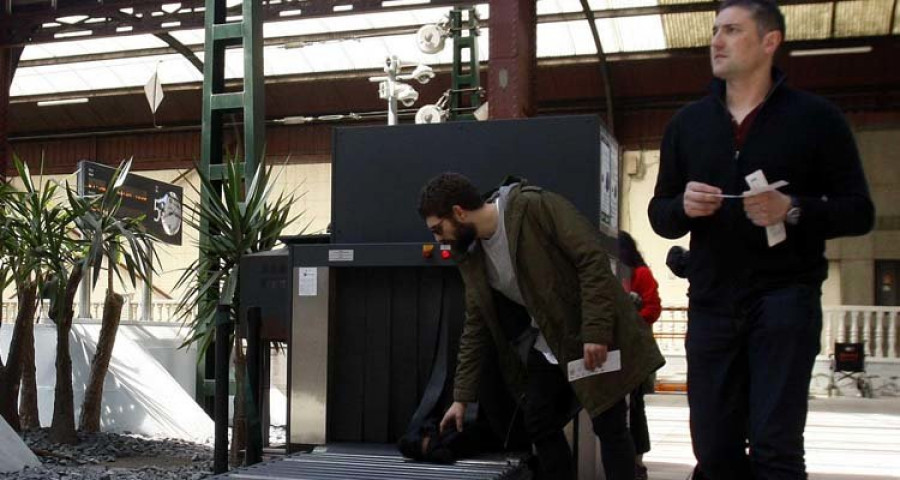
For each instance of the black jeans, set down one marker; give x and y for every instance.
(637, 414)
(616, 444)
(748, 384)
(549, 404)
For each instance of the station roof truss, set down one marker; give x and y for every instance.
(74, 46)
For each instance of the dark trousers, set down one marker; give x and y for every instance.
(637, 424)
(549, 404)
(748, 384)
(616, 444)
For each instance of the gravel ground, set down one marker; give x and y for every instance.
(110, 456)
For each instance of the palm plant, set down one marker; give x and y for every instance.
(17, 269)
(244, 219)
(115, 240)
(6, 242)
(43, 231)
(13, 270)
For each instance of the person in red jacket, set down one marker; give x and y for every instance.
(645, 292)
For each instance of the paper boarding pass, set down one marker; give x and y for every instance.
(613, 363)
(750, 193)
(775, 234)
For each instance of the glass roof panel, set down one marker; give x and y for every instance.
(897, 19)
(685, 30)
(550, 7)
(681, 2)
(29, 83)
(90, 46)
(807, 22)
(270, 30)
(194, 37)
(103, 78)
(582, 38)
(102, 75)
(607, 4)
(342, 23)
(631, 34)
(563, 44)
(857, 18)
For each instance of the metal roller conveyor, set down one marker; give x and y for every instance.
(379, 462)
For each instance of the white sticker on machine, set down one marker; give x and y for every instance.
(308, 282)
(340, 255)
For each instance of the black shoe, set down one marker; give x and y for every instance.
(640, 472)
(696, 475)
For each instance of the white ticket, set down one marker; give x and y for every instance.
(750, 193)
(613, 363)
(775, 234)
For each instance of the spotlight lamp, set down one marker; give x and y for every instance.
(431, 38)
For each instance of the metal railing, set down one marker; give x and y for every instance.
(670, 330)
(161, 311)
(878, 328)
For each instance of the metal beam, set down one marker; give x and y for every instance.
(183, 49)
(604, 68)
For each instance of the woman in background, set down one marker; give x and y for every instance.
(645, 292)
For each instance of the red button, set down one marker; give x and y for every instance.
(445, 254)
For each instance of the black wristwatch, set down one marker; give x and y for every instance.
(793, 214)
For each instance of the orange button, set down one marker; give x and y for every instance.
(427, 250)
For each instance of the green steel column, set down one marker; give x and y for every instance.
(213, 84)
(220, 35)
(254, 87)
(465, 78)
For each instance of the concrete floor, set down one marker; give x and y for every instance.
(846, 438)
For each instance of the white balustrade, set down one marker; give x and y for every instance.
(875, 327)
(162, 311)
(893, 319)
(878, 328)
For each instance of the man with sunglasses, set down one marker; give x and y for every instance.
(540, 292)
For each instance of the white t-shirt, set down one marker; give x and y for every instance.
(501, 271)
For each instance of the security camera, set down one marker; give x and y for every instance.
(423, 74)
(384, 92)
(406, 94)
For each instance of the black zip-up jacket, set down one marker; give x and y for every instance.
(796, 136)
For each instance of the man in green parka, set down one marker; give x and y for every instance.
(531, 249)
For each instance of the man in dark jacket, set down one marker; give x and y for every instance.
(530, 250)
(757, 263)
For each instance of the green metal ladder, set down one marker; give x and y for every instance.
(465, 78)
(217, 103)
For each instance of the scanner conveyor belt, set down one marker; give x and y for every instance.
(371, 462)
